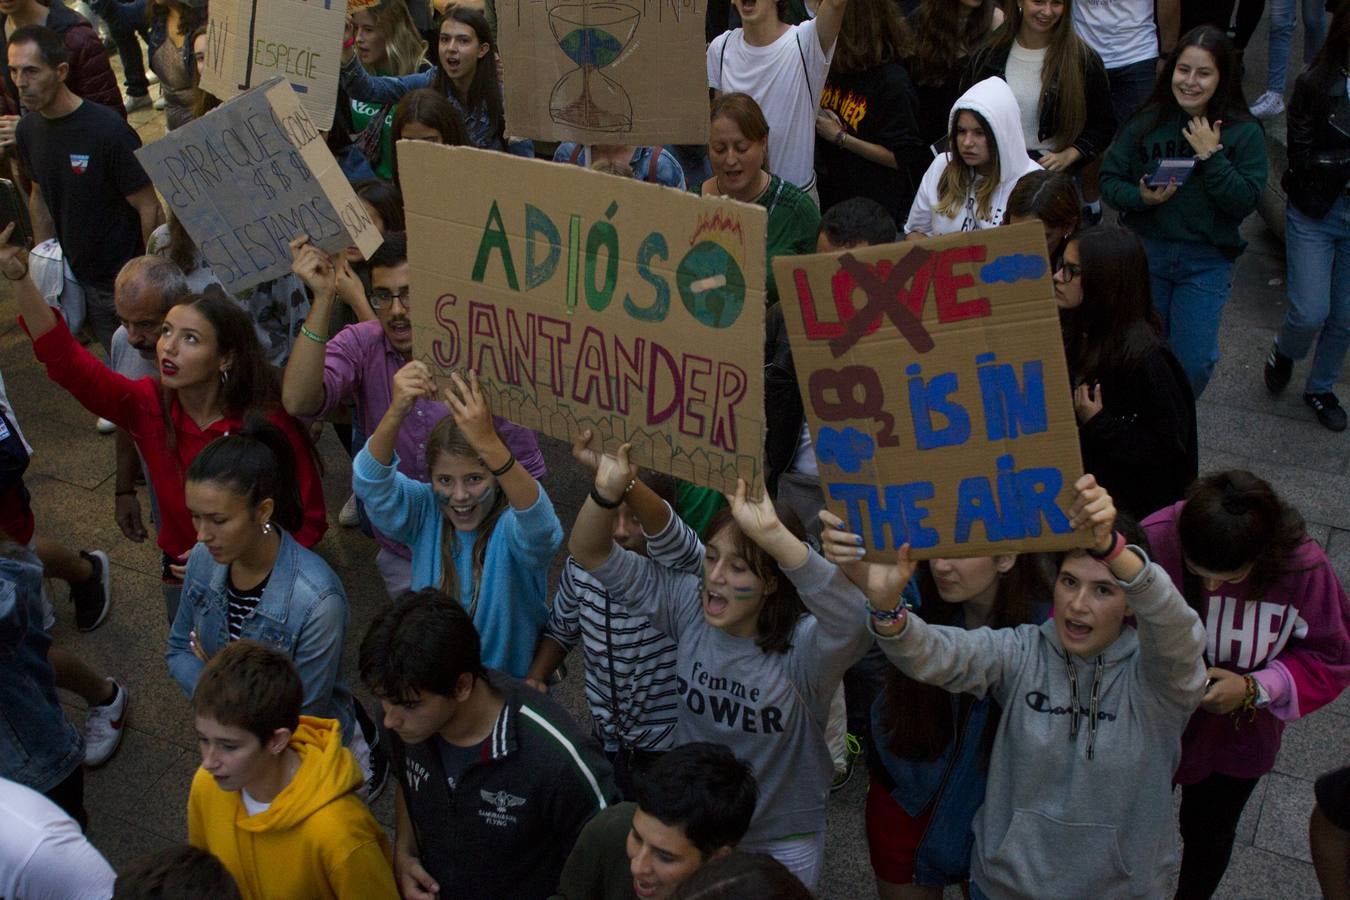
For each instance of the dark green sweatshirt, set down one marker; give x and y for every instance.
(1221, 192)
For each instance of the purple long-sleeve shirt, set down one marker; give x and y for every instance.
(359, 364)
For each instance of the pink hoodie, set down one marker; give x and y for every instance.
(1295, 641)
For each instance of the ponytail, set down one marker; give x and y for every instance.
(256, 463)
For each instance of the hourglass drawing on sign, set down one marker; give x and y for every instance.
(592, 35)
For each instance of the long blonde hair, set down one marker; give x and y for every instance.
(1065, 68)
(404, 48)
(958, 178)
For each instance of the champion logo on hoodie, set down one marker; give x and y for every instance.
(79, 163)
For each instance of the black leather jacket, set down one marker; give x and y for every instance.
(1101, 120)
(1319, 141)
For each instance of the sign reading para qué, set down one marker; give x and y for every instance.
(934, 382)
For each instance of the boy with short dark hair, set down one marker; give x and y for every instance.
(495, 780)
(693, 805)
(275, 799)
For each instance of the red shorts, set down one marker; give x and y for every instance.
(893, 836)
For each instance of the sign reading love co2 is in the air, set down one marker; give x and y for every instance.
(934, 380)
(590, 301)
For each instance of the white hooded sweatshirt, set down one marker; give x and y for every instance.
(994, 100)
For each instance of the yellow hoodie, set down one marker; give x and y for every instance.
(316, 840)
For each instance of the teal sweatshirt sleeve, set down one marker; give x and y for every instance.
(1121, 169)
(1234, 176)
(535, 533)
(395, 503)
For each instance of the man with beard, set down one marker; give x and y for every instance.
(145, 290)
(358, 364)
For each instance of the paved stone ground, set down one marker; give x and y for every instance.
(137, 800)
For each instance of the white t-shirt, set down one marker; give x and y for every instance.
(1023, 75)
(1121, 31)
(43, 855)
(251, 806)
(785, 79)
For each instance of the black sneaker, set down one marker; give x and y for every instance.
(1328, 409)
(1278, 370)
(93, 597)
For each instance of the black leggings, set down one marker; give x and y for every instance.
(1210, 810)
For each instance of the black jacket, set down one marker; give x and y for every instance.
(1319, 141)
(1142, 446)
(783, 410)
(992, 62)
(506, 828)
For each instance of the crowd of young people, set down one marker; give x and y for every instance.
(729, 644)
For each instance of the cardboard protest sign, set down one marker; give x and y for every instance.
(251, 41)
(605, 71)
(586, 300)
(934, 380)
(249, 177)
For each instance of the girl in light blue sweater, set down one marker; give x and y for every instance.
(483, 530)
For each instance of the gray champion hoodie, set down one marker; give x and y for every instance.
(1077, 805)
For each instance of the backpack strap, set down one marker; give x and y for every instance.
(651, 163)
(576, 153)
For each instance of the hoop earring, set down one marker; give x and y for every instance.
(224, 377)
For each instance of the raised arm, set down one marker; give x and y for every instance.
(302, 391)
(651, 511)
(829, 19)
(37, 315)
(469, 407)
(592, 538)
(410, 382)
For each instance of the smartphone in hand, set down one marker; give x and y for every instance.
(14, 208)
(1176, 169)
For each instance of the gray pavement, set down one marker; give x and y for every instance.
(137, 801)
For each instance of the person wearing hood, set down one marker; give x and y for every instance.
(1089, 706)
(275, 799)
(967, 188)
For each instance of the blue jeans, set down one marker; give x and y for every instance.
(1190, 285)
(1282, 31)
(1130, 87)
(1318, 261)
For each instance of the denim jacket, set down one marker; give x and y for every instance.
(38, 745)
(951, 786)
(302, 613)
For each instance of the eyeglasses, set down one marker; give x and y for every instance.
(1070, 270)
(382, 297)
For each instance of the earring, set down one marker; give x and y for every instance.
(267, 528)
(224, 377)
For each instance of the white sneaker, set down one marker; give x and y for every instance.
(349, 517)
(1268, 105)
(160, 102)
(151, 78)
(141, 102)
(103, 727)
(106, 427)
